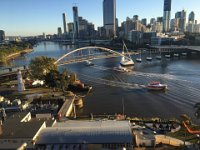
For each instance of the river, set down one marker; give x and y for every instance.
(109, 87)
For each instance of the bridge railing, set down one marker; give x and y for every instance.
(94, 49)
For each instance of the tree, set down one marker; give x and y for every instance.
(51, 79)
(54, 79)
(64, 79)
(40, 66)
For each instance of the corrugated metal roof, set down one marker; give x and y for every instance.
(93, 132)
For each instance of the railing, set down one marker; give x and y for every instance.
(12, 70)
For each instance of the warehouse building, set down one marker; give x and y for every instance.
(83, 135)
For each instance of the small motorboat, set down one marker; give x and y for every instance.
(156, 86)
(168, 56)
(139, 60)
(121, 69)
(149, 58)
(184, 54)
(89, 63)
(176, 55)
(159, 57)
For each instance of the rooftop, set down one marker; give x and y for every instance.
(92, 132)
(20, 130)
(13, 128)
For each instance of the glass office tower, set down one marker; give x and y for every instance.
(166, 15)
(109, 17)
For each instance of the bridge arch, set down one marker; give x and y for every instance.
(89, 47)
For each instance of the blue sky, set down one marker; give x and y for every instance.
(33, 17)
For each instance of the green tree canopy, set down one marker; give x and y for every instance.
(40, 66)
(54, 79)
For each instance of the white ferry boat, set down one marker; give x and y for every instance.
(157, 86)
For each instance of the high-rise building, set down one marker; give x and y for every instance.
(130, 25)
(191, 17)
(135, 17)
(65, 28)
(180, 18)
(160, 19)
(152, 20)
(76, 21)
(177, 26)
(86, 29)
(157, 27)
(59, 32)
(2, 35)
(173, 25)
(166, 15)
(44, 35)
(183, 21)
(116, 24)
(135, 36)
(191, 21)
(190, 27)
(178, 15)
(109, 17)
(70, 27)
(101, 32)
(144, 21)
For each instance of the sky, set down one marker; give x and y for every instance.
(33, 17)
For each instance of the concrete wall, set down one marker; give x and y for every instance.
(169, 141)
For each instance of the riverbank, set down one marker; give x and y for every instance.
(14, 49)
(14, 55)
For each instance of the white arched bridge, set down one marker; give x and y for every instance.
(87, 53)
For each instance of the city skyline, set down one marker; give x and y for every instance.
(40, 17)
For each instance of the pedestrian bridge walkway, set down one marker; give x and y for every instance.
(89, 53)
